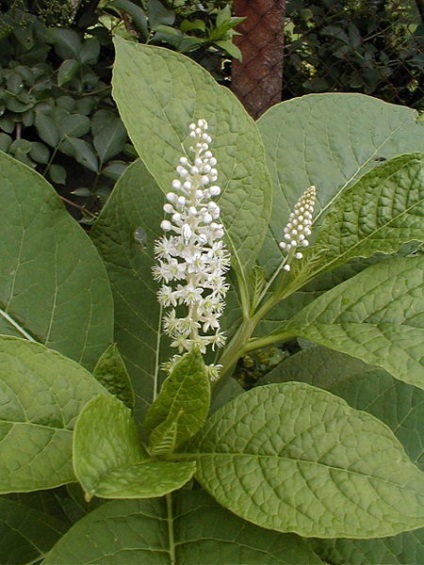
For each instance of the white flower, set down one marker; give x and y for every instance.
(191, 257)
(299, 225)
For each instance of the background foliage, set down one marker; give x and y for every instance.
(370, 46)
(56, 110)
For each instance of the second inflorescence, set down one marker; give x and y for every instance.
(298, 228)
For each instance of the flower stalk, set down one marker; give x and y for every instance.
(296, 234)
(191, 256)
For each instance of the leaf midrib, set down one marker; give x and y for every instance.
(305, 461)
(16, 325)
(365, 239)
(35, 425)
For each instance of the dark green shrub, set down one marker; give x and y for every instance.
(371, 46)
(56, 110)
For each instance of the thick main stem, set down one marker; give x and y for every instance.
(242, 341)
(235, 348)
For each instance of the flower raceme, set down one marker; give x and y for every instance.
(191, 256)
(298, 228)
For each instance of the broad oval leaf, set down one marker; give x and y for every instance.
(177, 91)
(26, 534)
(109, 460)
(378, 214)
(67, 42)
(111, 372)
(47, 129)
(398, 550)
(74, 125)
(399, 405)
(135, 204)
(292, 457)
(374, 316)
(182, 405)
(330, 141)
(190, 529)
(41, 394)
(53, 284)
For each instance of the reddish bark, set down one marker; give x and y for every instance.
(257, 80)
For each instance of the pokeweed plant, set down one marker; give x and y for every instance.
(226, 237)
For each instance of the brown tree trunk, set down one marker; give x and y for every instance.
(420, 8)
(257, 79)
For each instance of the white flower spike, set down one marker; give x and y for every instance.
(298, 228)
(191, 257)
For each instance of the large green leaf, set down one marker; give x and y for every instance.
(382, 211)
(193, 530)
(181, 407)
(41, 394)
(329, 140)
(399, 405)
(26, 535)
(175, 92)
(111, 372)
(125, 233)
(291, 305)
(109, 460)
(404, 549)
(134, 208)
(292, 457)
(374, 316)
(53, 285)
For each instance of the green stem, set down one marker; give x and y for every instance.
(82, 208)
(285, 261)
(53, 155)
(15, 325)
(242, 342)
(267, 340)
(235, 348)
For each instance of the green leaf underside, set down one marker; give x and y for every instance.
(136, 203)
(111, 372)
(183, 401)
(42, 393)
(399, 405)
(148, 479)
(118, 467)
(306, 143)
(378, 214)
(291, 457)
(373, 316)
(202, 532)
(324, 282)
(45, 261)
(26, 534)
(407, 548)
(177, 91)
